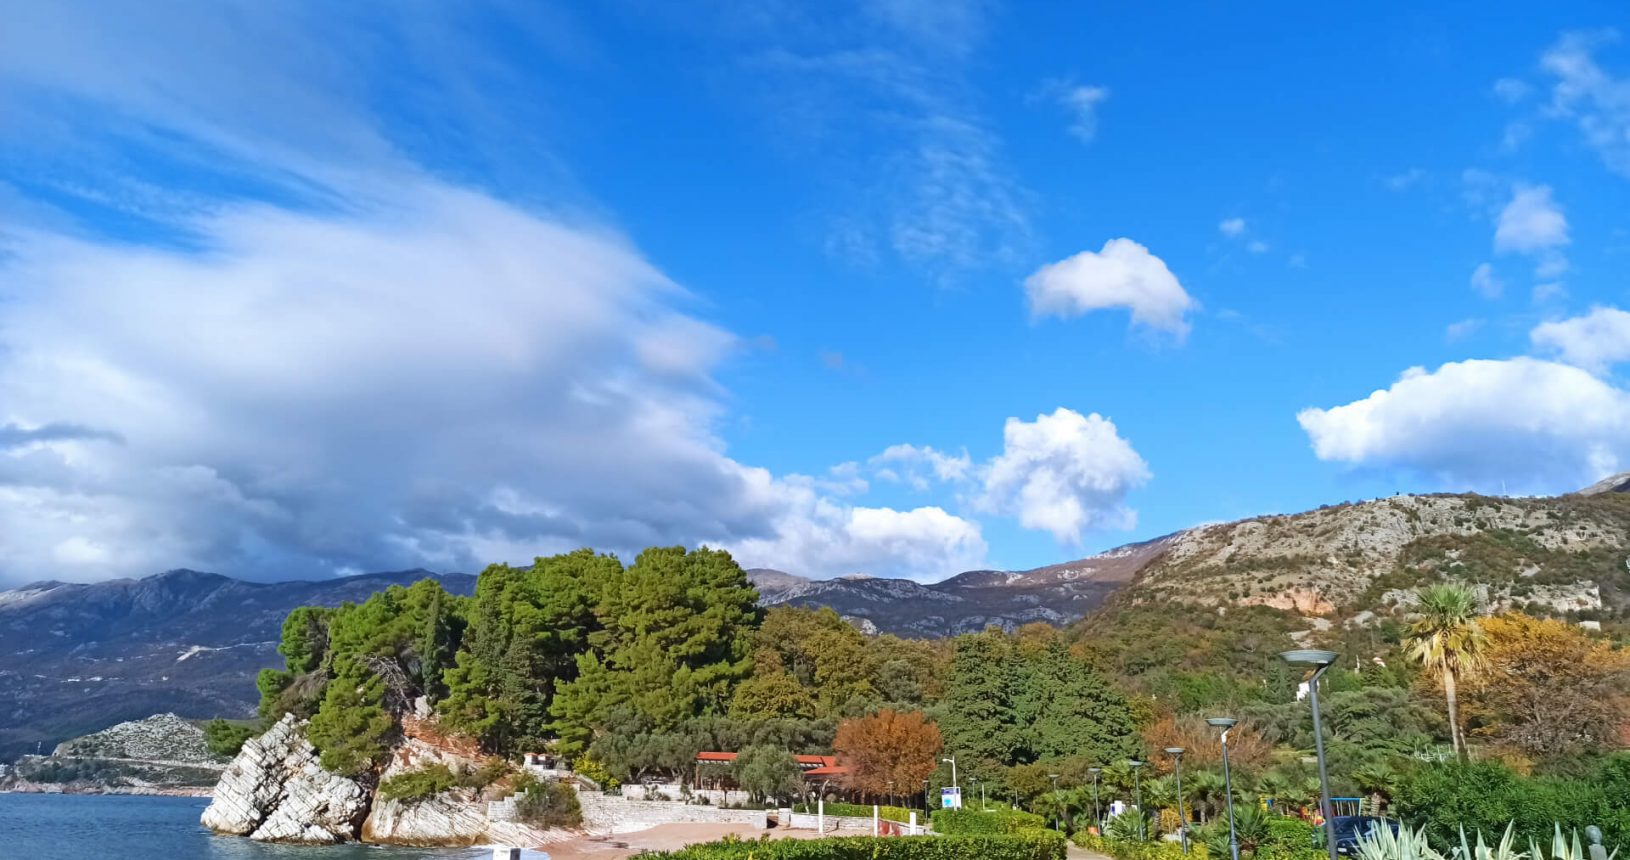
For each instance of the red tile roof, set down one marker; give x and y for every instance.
(806, 761)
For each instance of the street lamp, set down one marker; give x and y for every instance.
(1182, 820)
(926, 807)
(1137, 796)
(954, 784)
(981, 792)
(1058, 820)
(1323, 660)
(1226, 723)
(1097, 810)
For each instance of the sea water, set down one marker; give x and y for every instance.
(90, 827)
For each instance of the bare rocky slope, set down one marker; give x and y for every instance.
(1567, 556)
(162, 754)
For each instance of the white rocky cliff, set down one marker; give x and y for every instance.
(275, 791)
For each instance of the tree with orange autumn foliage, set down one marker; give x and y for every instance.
(1549, 688)
(888, 752)
(1248, 749)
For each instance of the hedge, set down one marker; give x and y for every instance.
(1123, 849)
(973, 822)
(1041, 845)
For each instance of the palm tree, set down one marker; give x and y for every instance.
(1446, 638)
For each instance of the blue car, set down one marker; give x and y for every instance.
(1349, 829)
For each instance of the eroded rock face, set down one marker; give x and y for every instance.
(446, 819)
(275, 791)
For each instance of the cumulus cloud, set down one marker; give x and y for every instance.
(919, 466)
(1232, 227)
(1596, 341)
(1531, 222)
(1524, 424)
(1592, 97)
(1122, 275)
(1064, 473)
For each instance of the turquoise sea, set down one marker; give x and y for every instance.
(85, 827)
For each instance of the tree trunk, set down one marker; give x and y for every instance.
(1452, 698)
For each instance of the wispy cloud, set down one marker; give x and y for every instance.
(1595, 99)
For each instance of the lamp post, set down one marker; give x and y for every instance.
(1058, 815)
(954, 784)
(926, 807)
(1097, 810)
(981, 785)
(1182, 819)
(1226, 723)
(1323, 660)
(1137, 796)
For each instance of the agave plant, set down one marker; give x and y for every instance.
(1564, 848)
(1381, 843)
(1505, 850)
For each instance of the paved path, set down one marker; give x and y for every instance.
(1076, 852)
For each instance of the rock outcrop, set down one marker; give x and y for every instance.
(162, 754)
(446, 819)
(275, 791)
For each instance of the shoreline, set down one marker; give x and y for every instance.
(120, 791)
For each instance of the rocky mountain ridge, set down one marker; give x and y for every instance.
(78, 658)
(968, 602)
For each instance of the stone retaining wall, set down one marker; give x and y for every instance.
(603, 814)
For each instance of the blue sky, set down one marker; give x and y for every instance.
(897, 287)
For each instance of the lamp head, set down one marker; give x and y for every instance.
(1308, 657)
(1175, 751)
(1222, 722)
(1134, 762)
(1095, 770)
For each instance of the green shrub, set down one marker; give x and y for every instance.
(224, 738)
(1133, 850)
(1486, 796)
(995, 822)
(1034, 845)
(856, 810)
(418, 784)
(547, 804)
(434, 779)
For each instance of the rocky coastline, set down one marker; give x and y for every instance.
(276, 790)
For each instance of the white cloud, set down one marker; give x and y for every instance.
(1232, 227)
(1531, 222)
(1486, 283)
(1064, 473)
(1122, 275)
(382, 369)
(1082, 102)
(1595, 341)
(919, 465)
(1257, 246)
(1524, 424)
(1597, 101)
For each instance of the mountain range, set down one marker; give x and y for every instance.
(78, 658)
